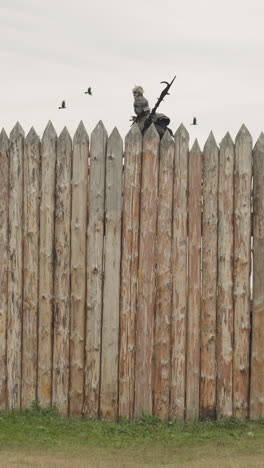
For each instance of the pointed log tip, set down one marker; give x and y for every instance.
(115, 134)
(134, 132)
(49, 131)
(81, 128)
(65, 135)
(81, 134)
(243, 132)
(167, 138)
(17, 130)
(211, 141)
(261, 137)
(195, 147)
(100, 128)
(227, 140)
(4, 141)
(182, 132)
(32, 136)
(243, 128)
(151, 132)
(260, 142)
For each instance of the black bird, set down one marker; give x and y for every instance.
(194, 122)
(89, 91)
(63, 105)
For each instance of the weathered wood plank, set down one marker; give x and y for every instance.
(257, 347)
(179, 275)
(30, 268)
(4, 201)
(95, 247)
(209, 279)
(111, 291)
(61, 318)
(194, 280)
(14, 322)
(129, 269)
(78, 267)
(163, 307)
(242, 263)
(46, 264)
(146, 274)
(225, 308)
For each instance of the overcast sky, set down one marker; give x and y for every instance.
(54, 49)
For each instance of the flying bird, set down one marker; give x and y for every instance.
(63, 105)
(89, 91)
(194, 122)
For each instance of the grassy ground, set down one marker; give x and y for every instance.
(42, 438)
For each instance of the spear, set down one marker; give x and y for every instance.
(162, 96)
(159, 100)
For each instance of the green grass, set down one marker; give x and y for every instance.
(45, 428)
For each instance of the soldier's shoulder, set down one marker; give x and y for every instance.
(141, 101)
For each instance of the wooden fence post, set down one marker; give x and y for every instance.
(95, 248)
(111, 291)
(4, 203)
(179, 275)
(30, 268)
(257, 361)
(146, 274)
(129, 270)
(14, 321)
(194, 279)
(163, 307)
(79, 215)
(209, 279)
(225, 309)
(242, 265)
(46, 264)
(61, 319)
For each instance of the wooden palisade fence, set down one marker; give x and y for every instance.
(127, 280)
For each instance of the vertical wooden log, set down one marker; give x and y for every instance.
(129, 269)
(179, 275)
(194, 291)
(46, 264)
(78, 266)
(30, 268)
(95, 247)
(4, 201)
(242, 263)
(111, 293)
(257, 347)
(225, 309)
(209, 279)
(15, 277)
(146, 274)
(61, 319)
(162, 337)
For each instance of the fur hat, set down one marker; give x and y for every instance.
(138, 89)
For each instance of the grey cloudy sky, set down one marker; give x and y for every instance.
(54, 49)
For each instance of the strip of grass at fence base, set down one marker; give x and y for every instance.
(46, 428)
